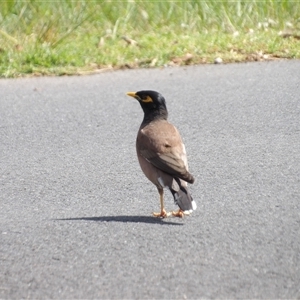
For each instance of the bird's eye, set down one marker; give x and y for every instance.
(147, 99)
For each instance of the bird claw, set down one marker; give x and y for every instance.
(180, 213)
(162, 214)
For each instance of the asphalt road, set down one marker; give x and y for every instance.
(75, 217)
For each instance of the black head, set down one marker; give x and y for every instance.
(152, 103)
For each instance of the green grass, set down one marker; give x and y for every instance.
(78, 37)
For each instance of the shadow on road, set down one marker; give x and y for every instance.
(124, 219)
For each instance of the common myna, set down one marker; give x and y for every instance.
(161, 153)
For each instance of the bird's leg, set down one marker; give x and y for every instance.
(178, 213)
(163, 213)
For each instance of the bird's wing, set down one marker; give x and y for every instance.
(169, 163)
(161, 145)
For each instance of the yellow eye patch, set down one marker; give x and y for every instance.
(147, 100)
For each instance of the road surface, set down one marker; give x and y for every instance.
(76, 209)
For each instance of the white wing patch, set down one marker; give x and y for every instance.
(183, 157)
(161, 182)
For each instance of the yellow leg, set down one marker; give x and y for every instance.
(163, 213)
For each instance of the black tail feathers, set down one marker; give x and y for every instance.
(182, 197)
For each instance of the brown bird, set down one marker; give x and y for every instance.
(161, 153)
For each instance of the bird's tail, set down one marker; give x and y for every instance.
(182, 197)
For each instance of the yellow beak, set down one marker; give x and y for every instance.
(131, 94)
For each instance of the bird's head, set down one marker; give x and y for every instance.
(152, 103)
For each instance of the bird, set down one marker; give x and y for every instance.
(162, 155)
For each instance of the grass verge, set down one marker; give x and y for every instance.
(78, 37)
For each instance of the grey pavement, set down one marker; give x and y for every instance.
(75, 208)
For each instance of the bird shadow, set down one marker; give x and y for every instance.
(124, 219)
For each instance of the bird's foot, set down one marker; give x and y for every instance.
(180, 213)
(162, 214)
